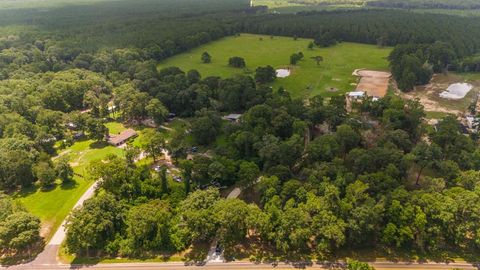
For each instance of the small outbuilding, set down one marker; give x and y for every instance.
(71, 126)
(356, 94)
(112, 109)
(123, 137)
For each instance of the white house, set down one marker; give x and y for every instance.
(356, 94)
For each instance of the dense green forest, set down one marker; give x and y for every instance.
(169, 24)
(358, 182)
(318, 180)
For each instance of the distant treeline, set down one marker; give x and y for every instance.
(65, 35)
(121, 10)
(426, 4)
(148, 25)
(390, 27)
(173, 25)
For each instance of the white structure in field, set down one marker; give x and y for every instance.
(456, 91)
(282, 73)
(356, 94)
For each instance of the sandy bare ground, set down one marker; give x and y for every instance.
(428, 104)
(375, 83)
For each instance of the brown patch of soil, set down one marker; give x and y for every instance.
(45, 229)
(428, 95)
(375, 83)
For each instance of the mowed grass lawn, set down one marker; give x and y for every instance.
(333, 76)
(52, 206)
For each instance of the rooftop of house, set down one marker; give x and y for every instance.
(122, 137)
(356, 94)
(233, 116)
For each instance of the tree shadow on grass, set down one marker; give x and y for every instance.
(81, 262)
(48, 188)
(72, 184)
(98, 145)
(412, 256)
(24, 192)
(30, 190)
(360, 254)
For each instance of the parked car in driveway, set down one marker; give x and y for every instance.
(218, 249)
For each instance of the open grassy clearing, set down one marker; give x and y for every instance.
(296, 9)
(52, 206)
(115, 127)
(306, 5)
(286, 6)
(275, 3)
(435, 115)
(333, 76)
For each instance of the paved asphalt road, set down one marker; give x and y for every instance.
(235, 266)
(49, 254)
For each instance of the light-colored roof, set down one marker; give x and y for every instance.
(234, 116)
(356, 94)
(125, 135)
(470, 121)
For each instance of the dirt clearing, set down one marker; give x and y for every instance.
(374, 83)
(429, 95)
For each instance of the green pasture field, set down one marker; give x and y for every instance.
(285, 6)
(332, 77)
